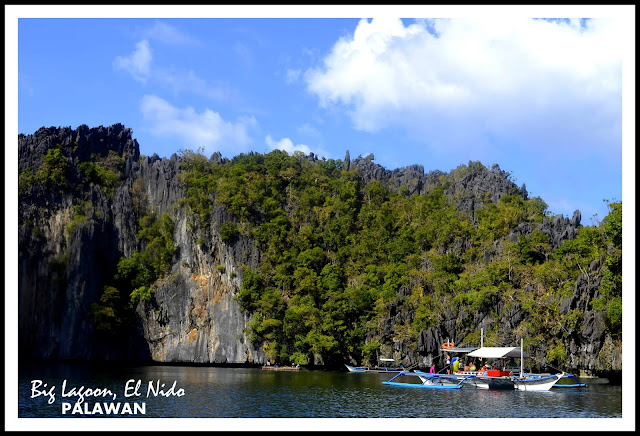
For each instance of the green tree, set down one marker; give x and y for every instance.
(55, 168)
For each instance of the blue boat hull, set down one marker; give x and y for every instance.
(421, 385)
(376, 369)
(429, 381)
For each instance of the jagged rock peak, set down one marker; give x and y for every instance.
(577, 217)
(81, 142)
(347, 161)
(217, 158)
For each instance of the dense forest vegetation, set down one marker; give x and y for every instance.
(338, 255)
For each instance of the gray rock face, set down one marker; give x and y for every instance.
(347, 161)
(82, 143)
(589, 349)
(560, 229)
(192, 317)
(160, 177)
(472, 188)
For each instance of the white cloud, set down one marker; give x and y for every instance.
(138, 63)
(482, 78)
(170, 35)
(293, 75)
(188, 81)
(206, 129)
(287, 145)
(308, 130)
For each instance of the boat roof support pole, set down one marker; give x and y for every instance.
(521, 357)
(398, 375)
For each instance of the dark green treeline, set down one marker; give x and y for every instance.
(337, 254)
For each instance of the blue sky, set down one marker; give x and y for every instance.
(541, 98)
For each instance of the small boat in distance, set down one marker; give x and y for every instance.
(372, 369)
(380, 368)
(280, 368)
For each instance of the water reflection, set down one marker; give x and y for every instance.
(215, 392)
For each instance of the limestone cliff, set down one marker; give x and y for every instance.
(73, 231)
(64, 261)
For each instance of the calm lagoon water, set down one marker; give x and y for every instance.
(217, 392)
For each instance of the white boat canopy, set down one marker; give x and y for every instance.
(458, 350)
(387, 360)
(497, 352)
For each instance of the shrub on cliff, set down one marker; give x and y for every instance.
(143, 268)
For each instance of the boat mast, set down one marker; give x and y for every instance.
(481, 337)
(521, 357)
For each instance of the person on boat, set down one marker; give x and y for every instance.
(483, 370)
(448, 363)
(472, 367)
(432, 370)
(456, 366)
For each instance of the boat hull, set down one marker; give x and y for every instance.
(374, 369)
(536, 383)
(496, 383)
(528, 383)
(426, 385)
(428, 381)
(468, 382)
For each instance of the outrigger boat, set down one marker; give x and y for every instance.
(372, 369)
(523, 381)
(569, 381)
(536, 382)
(468, 380)
(382, 368)
(281, 368)
(430, 381)
(490, 378)
(566, 381)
